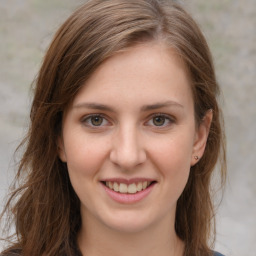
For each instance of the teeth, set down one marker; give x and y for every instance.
(116, 187)
(139, 186)
(123, 188)
(130, 189)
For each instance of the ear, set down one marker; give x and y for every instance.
(61, 150)
(201, 136)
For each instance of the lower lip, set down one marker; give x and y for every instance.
(128, 198)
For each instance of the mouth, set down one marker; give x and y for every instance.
(131, 188)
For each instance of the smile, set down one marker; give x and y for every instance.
(128, 188)
(128, 191)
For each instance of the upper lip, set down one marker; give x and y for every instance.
(127, 181)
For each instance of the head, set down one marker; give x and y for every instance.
(94, 33)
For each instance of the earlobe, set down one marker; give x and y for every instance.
(201, 137)
(61, 150)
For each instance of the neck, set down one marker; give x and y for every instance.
(96, 239)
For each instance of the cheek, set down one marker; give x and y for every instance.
(174, 165)
(85, 158)
(172, 158)
(175, 150)
(84, 154)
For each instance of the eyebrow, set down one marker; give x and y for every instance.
(161, 105)
(94, 106)
(143, 108)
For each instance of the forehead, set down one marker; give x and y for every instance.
(143, 72)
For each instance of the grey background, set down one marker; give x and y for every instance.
(26, 27)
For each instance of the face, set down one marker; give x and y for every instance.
(129, 139)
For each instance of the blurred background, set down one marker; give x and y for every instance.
(26, 28)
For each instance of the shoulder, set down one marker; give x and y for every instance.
(217, 254)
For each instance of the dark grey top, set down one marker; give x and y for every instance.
(217, 254)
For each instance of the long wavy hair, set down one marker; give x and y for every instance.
(44, 207)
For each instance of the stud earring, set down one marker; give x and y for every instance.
(196, 158)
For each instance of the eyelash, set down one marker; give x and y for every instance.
(167, 118)
(87, 120)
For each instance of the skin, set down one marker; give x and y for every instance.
(134, 86)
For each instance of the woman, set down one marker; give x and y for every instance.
(125, 133)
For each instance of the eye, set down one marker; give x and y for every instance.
(96, 120)
(160, 120)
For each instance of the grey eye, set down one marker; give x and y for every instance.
(96, 120)
(159, 120)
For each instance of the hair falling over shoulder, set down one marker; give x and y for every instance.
(44, 207)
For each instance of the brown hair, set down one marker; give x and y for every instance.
(46, 212)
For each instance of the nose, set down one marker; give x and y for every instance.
(127, 149)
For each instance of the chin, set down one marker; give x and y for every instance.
(129, 222)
